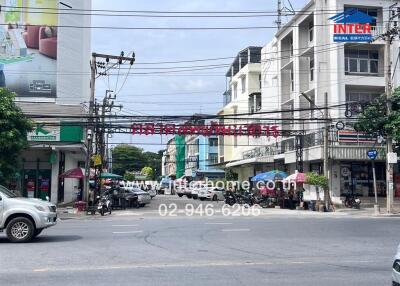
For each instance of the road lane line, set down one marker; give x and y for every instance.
(127, 232)
(218, 223)
(188, 264)
(235, 229)
(124, 225)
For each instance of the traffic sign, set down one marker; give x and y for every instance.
(372, 154)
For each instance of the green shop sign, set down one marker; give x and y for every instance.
(65, 132)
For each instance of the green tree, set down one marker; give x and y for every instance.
(14, 127)
(129, 177)
(375, 120)
(130, 158)
(127, 158)
(317, 180)
(148, 171)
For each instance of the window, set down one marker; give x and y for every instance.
(234, 90)
(361, 61)
(243, 82)
(357, 96)
(258, 102)
(373, 12)
(291, 46)
(213, 158)
(291, 80)
(213, 142)
(259, 79)
(311, 69)
(310, 31)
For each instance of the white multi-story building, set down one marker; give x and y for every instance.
(243, 95)
(303, 59)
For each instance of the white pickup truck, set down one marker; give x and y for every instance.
(23, 219)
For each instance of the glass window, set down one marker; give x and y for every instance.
(353, 65)
(235, 91)
(363, 54)
(213, 142)
(258, 102)
(311, 69)
(363, 65)
(311, 31)
(374, 55)
(243, 82)
(373, 66)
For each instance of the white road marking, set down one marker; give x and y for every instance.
(235, 229)
(127, 232)
(191, 264)
(218, 223)
(124, 225)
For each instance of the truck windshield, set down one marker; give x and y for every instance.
(6, 192)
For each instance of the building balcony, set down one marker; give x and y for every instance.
(352, 147)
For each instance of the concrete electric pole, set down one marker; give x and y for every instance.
(90, 126)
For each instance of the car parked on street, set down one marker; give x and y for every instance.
(396, 269)
(24, 218)
(211, 193)
(143, 196)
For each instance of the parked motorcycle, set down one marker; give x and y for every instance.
(230, 198)
(265, 201)
(352, 201)
(104, 205)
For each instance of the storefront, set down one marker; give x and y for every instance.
(53, 150)
(357, 178)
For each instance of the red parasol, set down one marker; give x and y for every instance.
(77, 173)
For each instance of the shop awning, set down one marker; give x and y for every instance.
(110, 176)
(77, 173)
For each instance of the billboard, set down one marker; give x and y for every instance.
(28, 47)
(352, 26)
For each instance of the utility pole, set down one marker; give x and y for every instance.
(90, 126)
(327, 121)
(326, 150)
(389, 141)
(279, 19)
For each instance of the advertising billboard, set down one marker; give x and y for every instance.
(28, 47)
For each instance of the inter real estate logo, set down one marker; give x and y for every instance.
(352, 26)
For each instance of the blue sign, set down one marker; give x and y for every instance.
(352, 26)
(372, 154)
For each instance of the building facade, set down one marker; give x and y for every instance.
(201, 155)
(243, 95)
(48, 68)
(301, 67)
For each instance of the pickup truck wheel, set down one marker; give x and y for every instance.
(180, 195)
(20, 229)
(37, 232)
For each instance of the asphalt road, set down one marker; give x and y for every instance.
(217, 250)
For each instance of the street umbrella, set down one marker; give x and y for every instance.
(270, 176)
(110, 176)
(297, 178)
(77, 173)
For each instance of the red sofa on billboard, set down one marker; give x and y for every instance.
(48, 42)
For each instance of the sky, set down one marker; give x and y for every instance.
(183, 93)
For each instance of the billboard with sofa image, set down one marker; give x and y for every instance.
(28, 47)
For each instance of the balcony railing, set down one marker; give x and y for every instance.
(309, 140)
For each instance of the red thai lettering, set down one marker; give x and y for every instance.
(149, 129)
(137, 128)
(254, 130)
(169, 129)
(275, 131)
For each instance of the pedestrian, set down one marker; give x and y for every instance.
(290, 196)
